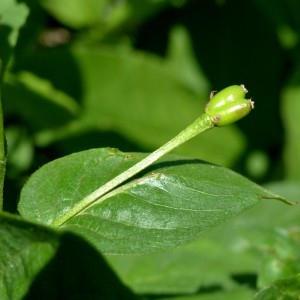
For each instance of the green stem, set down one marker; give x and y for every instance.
(2, 147)
(203, 123)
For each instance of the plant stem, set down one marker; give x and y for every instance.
(203, 123)
(2, 146)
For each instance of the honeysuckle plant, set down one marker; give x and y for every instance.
(121, 205)
(81, 207)
(224, 108)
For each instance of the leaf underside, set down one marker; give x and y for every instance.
(169, 204)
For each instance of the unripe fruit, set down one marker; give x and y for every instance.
(229, 105)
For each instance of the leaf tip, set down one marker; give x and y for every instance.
(279, 198)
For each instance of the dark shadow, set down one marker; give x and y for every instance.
(167, 163)
(58, 66)
(247, 279)
(81, 142)
(175, 162)
(77, 271)
(93, 138)
(32, 109)
(233, 49)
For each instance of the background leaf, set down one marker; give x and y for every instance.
(177, 272)
(137, 104)
(291, 113)
(31, 96)
(79, 14)
(282, 289)
(12, 18)
(247, 242)
(37, 263)
(25, 249)
(174, 203)
(242, 293)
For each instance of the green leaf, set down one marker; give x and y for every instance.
(175, 202)
(188, 269)
(291, 113)
(24, 250)
(149, 89)
(242, 293)
(78, 13)
(289, 190)
(181, 61)
(288, 289)
(246, 242)
(282, 258)
(132, 13)
(35, 261)
(20, 149)
(12, 18)
(136, 103)
(37, 101)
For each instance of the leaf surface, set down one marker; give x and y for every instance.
(174, 202)
(24, 250)
(34, 261)
(248, 242)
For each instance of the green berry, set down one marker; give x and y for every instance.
(229, 105)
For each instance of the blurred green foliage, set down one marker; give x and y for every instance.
(131, 74)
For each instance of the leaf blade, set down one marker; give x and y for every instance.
(174, 202)
(25, 250)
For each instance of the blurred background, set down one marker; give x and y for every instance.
(131, 74)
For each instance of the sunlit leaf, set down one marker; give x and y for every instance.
(78, 13)
(175, 202)
(247, 241)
